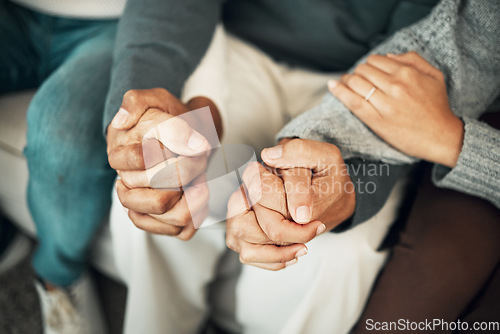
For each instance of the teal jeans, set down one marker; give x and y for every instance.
(70, 181)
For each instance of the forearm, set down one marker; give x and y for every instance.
(478, 167)
(470, 63)
(159, 44)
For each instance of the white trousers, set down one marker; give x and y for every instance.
(168, 279)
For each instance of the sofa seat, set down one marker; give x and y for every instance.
(14, 178)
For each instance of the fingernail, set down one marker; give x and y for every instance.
(274, 152)
(195, 141)
(303, 214)
(120, 118)
(291, 262)
(332, 84)
(301, 252)
(321, 229)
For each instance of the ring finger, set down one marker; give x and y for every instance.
(363, 88)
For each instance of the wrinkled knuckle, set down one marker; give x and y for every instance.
(164, 203)
(136, 159)
(135, 218)
(240, 233)
(161, 91)
(244, 257)
(397, 90)
(132, 96)
(185, 218)
(125, 180)
(406, 73)
(231, 243)
(111, 160)
(175, 231)
(121, 191)
(296, 145)
(275, 235)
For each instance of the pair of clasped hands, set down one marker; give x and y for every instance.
(303, 189)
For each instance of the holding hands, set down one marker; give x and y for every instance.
(308, 191)
(161, 211)
(403, 99)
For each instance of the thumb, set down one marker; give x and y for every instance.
(123, 120)
(137, 101)
(134, 105)
(301, 153)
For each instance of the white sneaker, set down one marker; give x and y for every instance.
(74, 310)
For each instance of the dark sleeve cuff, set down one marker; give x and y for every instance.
(373, 182)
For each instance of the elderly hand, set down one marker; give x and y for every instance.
(160, 211)
(309, 192)
(403, 99)
(263, 233)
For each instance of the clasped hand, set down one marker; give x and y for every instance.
(304, 191)
(160, 211)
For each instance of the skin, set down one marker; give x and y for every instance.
(304, 191)
(271, 234)
(159, 211)
(409, 108)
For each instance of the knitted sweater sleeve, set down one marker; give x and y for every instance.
(461, 38)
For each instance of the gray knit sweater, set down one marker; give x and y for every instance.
(462, 39)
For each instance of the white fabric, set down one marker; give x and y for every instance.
(325, 292)
(90, 9)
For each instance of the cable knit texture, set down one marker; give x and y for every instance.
(462, 39)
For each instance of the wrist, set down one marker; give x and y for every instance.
(452, 145)
(200, 102)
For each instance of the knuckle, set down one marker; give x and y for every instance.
(296, 145)
(132, 96)
(135, 158)
(406, 73)
(125, 179)
(111, 160)
(275, 235)
(239, 233)
(136, 220)
(397, 90)
(164, 202)
(175, 231)
(185, 217)
(231, 243)
(160, 91)
(244, 257)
